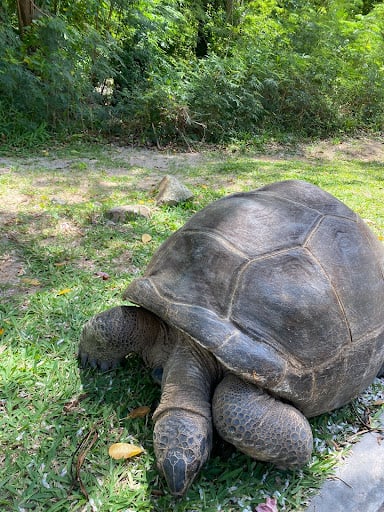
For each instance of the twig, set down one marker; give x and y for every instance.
(37, 8)
(361, 418)
(341, 480)
(79, 456)
(157, 139)
(366, 424)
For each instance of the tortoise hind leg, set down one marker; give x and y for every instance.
(260, 425)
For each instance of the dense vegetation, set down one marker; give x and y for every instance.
(188, 70)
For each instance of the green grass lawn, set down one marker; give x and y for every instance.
(61, 262)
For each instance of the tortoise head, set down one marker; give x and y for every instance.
(182, 441)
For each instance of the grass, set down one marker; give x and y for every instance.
(56, 243)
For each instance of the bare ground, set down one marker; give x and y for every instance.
(364, 149)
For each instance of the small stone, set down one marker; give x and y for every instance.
(129, 212)
(172, 192)
(59, 201)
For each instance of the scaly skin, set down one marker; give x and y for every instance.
(261, 426)
(111, 335)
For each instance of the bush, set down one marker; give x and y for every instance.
(224, 96)
(167, 71)
(48, 79)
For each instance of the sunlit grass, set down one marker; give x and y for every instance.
(56, 245)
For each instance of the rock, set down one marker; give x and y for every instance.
(172, 192)
(128, 212)
(59, 201)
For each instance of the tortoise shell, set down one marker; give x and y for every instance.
(284, 285)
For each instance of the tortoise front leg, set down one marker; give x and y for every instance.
(109, 336)
(260, 425)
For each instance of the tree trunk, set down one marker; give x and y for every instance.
(27, 11)
(229, 11)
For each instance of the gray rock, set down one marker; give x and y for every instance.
(128, 212)
(358, 483)
(59, 201)
(172, 192)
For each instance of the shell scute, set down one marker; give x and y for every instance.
(280, 304)
(345, 254)
(187, 266)
(310, 196)
(256, 223)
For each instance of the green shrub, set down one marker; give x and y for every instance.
(224, 96)
(169, 71)
(48, 79)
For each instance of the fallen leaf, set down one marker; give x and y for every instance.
(73, 404)
(124, 450)
(61, 263)
(103, 275)
(2, 331)
(31, 281)
(376, 402)
(139, 412)
(64, 291)
(146, 238)
(270, 505)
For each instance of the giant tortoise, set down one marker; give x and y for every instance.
(266, 308)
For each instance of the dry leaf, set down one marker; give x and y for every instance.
(103, 275)
(31, 281)
(73, 404)
(139, 412)
(124, 450)
(146, 238)
(376, 402)
(2, 331)
(64, 291)
(61, 263)
(270, 505)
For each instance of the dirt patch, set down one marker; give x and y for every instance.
(11, 268)
(132, 160)
(363, 149)
(161, 161)
(11, 276)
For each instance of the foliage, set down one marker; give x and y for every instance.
(171, 70)
(48, 78)
(233, 104)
